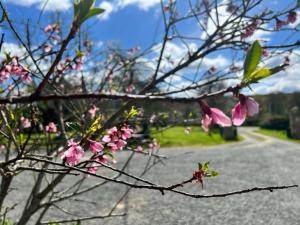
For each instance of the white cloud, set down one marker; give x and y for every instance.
(116, 5)
(50, 5)
(142, 4)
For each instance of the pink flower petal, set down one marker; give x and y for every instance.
(252, 107)
(239, 113)
(206, 122)
(220, 118)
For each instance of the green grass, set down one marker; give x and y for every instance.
(175, 136)
(280, 134)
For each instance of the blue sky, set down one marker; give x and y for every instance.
(138, 23)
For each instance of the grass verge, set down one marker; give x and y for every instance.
(280, 134)
(175, 136)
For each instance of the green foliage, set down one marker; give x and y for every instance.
(205, 168)
(280, 134)
(96, 125)
(132, 113)
(175, 136)
(252, 74)
(252, 59)
(84, 9)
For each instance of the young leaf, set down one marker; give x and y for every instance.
(82, 9)
(205, 167)
(214, 173)
(261, 73)
(94, 12)
(252, 59)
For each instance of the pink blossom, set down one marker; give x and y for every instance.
(126, 133)
(55, 39)
(250, 29)
(78, 64)
(51, 28)
(113, 147)
(120, 144)
(51, 128)
(279, 24)
(138, 149)
(92, 111)
(112, 135)
(47, 48)
(292, 17)
(103, 159)
(25, 77)
(25, 122)
(5, 73)
(95, 146)
(213, 116)
(247, 106)
(93, 169)
(73, 154)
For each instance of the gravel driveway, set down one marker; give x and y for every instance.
(257, 161)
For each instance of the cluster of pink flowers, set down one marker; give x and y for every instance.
(25, 122)
(96, 147)
(51, 128)
(291, 18)
(74, 153)
(69, 64)
(250, 29)
(53, 30)
(115, 138)
(246, 106)
(14, 68)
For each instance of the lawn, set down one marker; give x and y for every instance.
(280, 134)
(175, 136)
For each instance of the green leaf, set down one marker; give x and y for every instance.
(199, 166)
(74, 126)
(214, 173)
(261, 73)
(94, 12)
(252, 59)
(84, 9)
(132, 113)
(205, 167)
(96, 125)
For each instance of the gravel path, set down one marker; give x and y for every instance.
(257, 161)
